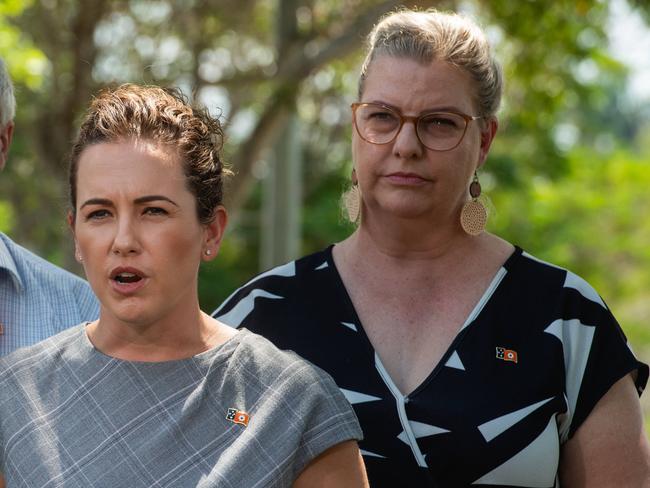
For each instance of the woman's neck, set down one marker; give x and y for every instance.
(163, 340)
(418, 253)
(410, 239)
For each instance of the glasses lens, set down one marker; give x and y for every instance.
(441, 131)
(376, 123)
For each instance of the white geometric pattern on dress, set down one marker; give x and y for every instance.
(322, 266)
(585, 289)
(494, 284)
(371, 454)
(287, 270)
(530, 256)
(573, 281)
(409, 438)
(421, 430)
(240, 311)
(350, 326)
(455, 362)
(354, 397)
(534, 466)
(576, 339)
(499, 425)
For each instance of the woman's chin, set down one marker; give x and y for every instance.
(408, 210)
(132, 314)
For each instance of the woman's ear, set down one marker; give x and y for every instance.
(488, 131)
(77, 253)
(214, 232)
(70, 219)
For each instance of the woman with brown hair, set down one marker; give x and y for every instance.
(156, 392)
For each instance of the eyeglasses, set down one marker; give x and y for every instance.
(439, 131)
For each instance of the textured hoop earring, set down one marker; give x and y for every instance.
(352, 199)
(473, 216)
(352, 202)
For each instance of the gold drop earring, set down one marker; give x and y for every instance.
(473, 216)
(352, 200)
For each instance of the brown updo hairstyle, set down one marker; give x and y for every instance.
(160, 115)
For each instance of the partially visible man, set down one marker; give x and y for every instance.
(37, 299)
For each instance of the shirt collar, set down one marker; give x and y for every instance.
(7, 261)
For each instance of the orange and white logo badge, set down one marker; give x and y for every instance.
(506, 354)
(237, 416)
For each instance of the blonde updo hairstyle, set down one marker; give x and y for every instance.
(430, 35)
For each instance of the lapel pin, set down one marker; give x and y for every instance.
(237, 416)
(506, 354)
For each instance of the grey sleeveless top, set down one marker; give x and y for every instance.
(241, 415)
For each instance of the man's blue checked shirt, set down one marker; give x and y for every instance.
(38, 299)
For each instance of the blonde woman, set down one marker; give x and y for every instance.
(468, 361)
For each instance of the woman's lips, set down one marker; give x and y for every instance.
(128, 288)
(407, 179)
(127, 280)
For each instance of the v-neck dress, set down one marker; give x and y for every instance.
(531, 361)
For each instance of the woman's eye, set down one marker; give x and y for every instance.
(441, 121)
(441, 125)
(155, 211)
(381, 116)
(98, 215)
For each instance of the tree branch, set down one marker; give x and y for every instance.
(291, 74)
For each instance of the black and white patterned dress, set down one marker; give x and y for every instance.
(525, 370)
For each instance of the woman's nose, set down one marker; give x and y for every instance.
(126, 239)
(407, 144)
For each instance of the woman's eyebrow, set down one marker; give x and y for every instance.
(154, 198)
(138, 201)
(97, 201)
(434, 109)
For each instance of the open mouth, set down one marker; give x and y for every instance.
(127, 278)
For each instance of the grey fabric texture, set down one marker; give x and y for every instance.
(72, 416)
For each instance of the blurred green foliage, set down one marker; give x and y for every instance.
(6, 216)
(594, 222)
